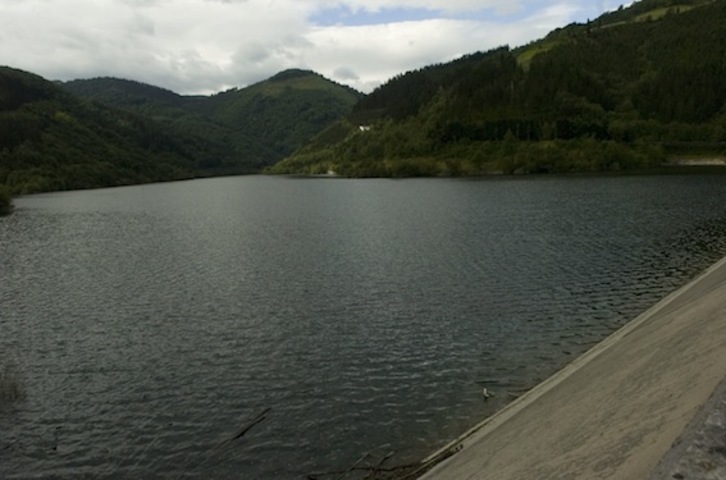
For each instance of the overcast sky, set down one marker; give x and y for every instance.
(205, 46)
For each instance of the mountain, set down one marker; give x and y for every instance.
(252, 127)
(51, 140)
(284, 111)
(624, 91)
(106, 131)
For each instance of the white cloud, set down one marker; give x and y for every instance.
(447, 6)
(193, 46)
(345, 74)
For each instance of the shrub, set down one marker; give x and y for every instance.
(6, 203)
(12, 387)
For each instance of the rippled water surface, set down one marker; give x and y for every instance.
(148, 324)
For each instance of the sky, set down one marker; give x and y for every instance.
(207, 46)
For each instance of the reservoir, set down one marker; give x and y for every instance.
(148, 325)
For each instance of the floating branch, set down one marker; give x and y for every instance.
(246, 428)
(228, 442)
(379, 472)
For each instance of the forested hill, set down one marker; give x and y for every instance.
(257, 125)
(623, 91)
(51, 140)
(285, 111)
(105, 131)
(185, 116)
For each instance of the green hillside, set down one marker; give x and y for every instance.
(178, 114)
(625, 91)
(105, 131)
(50, 140)
(252, 127)
(284, 111)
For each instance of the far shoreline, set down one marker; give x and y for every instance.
(711, 166)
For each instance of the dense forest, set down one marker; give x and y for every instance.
(107, 132)
(626, 91)
(50, 140)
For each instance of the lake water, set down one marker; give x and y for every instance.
(148, 324)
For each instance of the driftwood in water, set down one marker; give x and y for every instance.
(248, 426)
(228, 442)
(379, 472)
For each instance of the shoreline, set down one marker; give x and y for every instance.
(712, 165)
(622, 429)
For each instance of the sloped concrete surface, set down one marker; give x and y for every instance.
(615, 412)
(699, 453)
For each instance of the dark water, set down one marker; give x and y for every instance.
(148, 324)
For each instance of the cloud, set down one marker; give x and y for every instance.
(142, 25)
(444, 6)
(139, 3)
(345, 74)
(204, 46)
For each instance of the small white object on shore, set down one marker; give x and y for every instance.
(486, 393)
